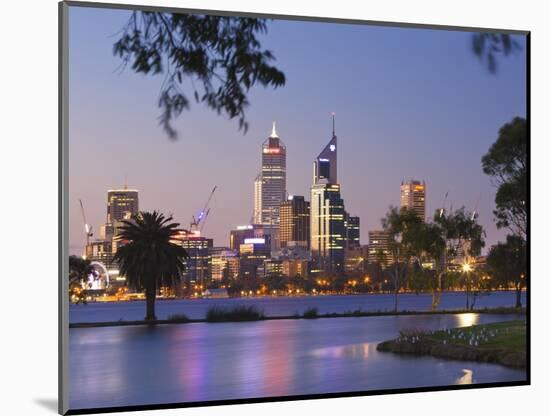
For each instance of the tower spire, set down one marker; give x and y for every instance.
(333, 129)
(274, 131)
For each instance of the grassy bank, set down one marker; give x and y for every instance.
(502, 343)
(240, 315)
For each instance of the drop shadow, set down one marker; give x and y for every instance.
(49, 404)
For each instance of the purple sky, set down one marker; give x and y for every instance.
(409, 103)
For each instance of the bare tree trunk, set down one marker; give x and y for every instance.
(396, 287)
(518, 295)
(436, 293)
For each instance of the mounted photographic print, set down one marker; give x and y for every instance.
(263, 208)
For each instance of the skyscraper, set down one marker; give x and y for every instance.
(352, 231)
(413, 197)
(380, 248)
(294, 226)
(327, 227)
(121, 204)
(270, 184)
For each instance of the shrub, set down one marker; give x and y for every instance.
(180, 317)
(237, 313)
(310, 313)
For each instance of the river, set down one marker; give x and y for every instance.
(283, 306)
(137, 365)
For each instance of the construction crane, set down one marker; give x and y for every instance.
(201, 218)
(87, 227)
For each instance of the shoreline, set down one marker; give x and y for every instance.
(351, 314)
(441, 344)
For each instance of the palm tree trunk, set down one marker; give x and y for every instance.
(150, 295)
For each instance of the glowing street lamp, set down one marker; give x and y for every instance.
(466, 267)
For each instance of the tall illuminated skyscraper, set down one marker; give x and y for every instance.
(270, 185)
(413, 197)
(121, 204)
(327, 214)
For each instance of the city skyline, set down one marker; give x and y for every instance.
(140, 154)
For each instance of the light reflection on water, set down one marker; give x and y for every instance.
(466, 378)
(468, 319)
(133, 365)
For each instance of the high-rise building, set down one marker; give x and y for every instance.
(294, 223)
(197, 248)
(413, 197)
(121, 204)
(327, 227)
(270, 233)
(380, 248)
(257, 217)
(270, 184)
(353, 233)
(224, 264)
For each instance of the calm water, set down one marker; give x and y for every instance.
(117, 366)
(278, 306)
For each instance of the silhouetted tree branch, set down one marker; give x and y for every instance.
(222, 53)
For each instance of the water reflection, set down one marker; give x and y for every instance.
(121, 366)
(467, 319)
(341, 351)
(467, 377)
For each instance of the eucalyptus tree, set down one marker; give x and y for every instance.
(507, 263)
(402, 227)
(463, 237)
(214, 59)
(506, 163)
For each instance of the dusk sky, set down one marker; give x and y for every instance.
(409, 103)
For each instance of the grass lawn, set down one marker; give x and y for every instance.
(508, 335)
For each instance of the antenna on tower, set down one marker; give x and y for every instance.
(333, 123)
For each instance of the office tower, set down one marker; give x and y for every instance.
(353, 234)
(380, 250)
(270, 184)
(257, 216)
(294, 221)
(327, 228)
(121, 204)
(224, 264)
(356, 259)
(270, 233)
(253, 252)
(197, 249)
(413, 197)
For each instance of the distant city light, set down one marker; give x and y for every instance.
(254, 240)
(244, 227)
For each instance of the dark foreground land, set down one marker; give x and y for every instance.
(502, 343)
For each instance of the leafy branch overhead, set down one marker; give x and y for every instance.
(216, 59)
(488, 46)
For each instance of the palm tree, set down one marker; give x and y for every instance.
(149, 256)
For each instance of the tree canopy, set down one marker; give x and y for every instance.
(506, 163)
(218, 59)
(489, 46)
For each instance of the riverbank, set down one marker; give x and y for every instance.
(502, 343)
(309, 314)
